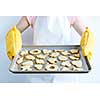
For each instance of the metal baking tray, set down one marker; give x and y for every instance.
(85, 63)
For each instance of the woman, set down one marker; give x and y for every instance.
(49, 30)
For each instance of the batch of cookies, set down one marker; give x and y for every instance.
(49, 60)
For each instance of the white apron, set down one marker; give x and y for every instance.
(50, 31)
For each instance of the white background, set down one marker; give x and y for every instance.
(53, 91)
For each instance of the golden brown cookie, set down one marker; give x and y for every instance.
(25, 68)
(54, 54)
(40, 61)
(27, 63)
(51, 67)
(52, 60)
(24, 52)
(74, 51)
(19, 60)
(59, 50)
(41, 56)
(29, 57)
(65, 53)
(38, 66)
(77, 55)
(66, 64)
(35, 51)
(65, 69)
(77, 69)
(62, 58)
(73, 58)
(77, 64)
(46, 51)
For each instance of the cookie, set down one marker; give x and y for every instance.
(35, 51)
(52, 60)
(24, 52)
(73, 58)
(65, 69)
(38, 66)
(51, 67)
(77, 55)
(74, 51)
(40, 61)
(77, 69)
(27, 63)
(54, 54)
(25, 68)
(19, 60)
(59, 50)
(41, 56)
(65, 53)
(62, 58)
(29, 57)
(66, 64)
(77, 64)
(46, 51)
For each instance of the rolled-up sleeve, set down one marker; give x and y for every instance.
(31, 20)
(79, 24)
(71, 19)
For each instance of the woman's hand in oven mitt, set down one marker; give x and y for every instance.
(13, 42)
(87, 43)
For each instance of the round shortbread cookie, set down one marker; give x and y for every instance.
(51, 67)
(35, 51)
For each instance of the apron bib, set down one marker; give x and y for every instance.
(51, 31)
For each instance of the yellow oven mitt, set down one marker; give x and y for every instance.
(87, 43)
(13, 42)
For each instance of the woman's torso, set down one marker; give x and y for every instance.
(51, 30)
